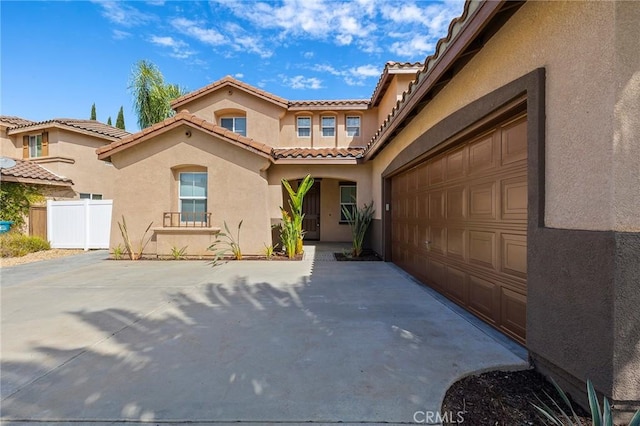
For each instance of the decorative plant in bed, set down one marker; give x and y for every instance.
(359, 220)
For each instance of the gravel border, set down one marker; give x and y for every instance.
(37, 256)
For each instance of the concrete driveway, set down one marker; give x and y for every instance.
(92, 341)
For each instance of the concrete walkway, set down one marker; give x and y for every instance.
(99, 341)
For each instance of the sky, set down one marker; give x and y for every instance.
(58, 58)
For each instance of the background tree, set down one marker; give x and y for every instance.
(109, 121)
(120, 119)
(151, 95)
(93, 112)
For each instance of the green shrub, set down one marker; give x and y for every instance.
(556, 415)
(359, 220)
(14, 244)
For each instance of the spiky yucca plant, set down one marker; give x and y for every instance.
(359, 220)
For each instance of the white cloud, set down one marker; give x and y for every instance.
(196, 30)
(366, 71)
(156, 2)
(241, 40)
(308, 55)
(179, 49)
(120, 35)
(301, 82)
(123, 14)
(417, 46)
(353, 76)
(239, 75)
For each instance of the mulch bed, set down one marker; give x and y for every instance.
(501, 398)
(366, 256)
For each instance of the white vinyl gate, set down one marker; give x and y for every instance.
(83, 224)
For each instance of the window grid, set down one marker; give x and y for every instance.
(235, 124)
(348, 194)
(304, 127)
(192, 192)
(328, 126)
(353, 126)
(35, 146)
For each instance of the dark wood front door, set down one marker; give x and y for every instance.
(311, 210)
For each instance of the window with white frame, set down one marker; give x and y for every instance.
(235, 124)
(353, 125)
(193, 196)
(35, 146)
(348, 194)
(89, 196)
(303, 125)
(328, 126)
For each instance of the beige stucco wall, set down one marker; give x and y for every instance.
(399, 84)
(7, 145)
(331, 175)
(237, 188)
(263, 117)
(576, 42)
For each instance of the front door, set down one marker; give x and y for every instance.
(311, 210)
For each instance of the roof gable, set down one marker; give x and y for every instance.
(228, 81)
(184, 118)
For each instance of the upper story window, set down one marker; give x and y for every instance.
(353, 125)
(235, 124)
(328, 126)
(35, 146)
(303, 125)
(193, 196)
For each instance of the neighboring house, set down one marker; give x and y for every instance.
(506, 177)
(66, 148)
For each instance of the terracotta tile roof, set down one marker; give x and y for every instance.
(455, 27)
(14, 121)
(333, 104)
(184, 117)
(25, 169)
(228, 80)
(391, 68)
(91, 126)
(281, 153)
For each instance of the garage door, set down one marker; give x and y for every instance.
(459, 224)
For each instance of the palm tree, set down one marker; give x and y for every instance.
(151, 95)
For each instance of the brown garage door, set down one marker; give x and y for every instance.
(459, 224)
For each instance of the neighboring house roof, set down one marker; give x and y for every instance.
(290, 153)
(228, 81)
(14, 121)
(90, 127)
(463, 40)
(183, 117)
(27, 172)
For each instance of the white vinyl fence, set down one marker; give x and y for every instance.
(84, 224)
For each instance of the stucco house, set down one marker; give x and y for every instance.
(505, 173)
(63, 147)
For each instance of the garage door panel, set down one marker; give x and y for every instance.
(437, 239)
(456, 164)
(514, 255)
(470, 203)
(484, 298)
(457, 284)
(456, 243)
(436, 171)
(436, 206)
(456, 203)
(482, 201)
(514, 198)
(514, 141)
(482, 154)
(482, 248)
(514, 312)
